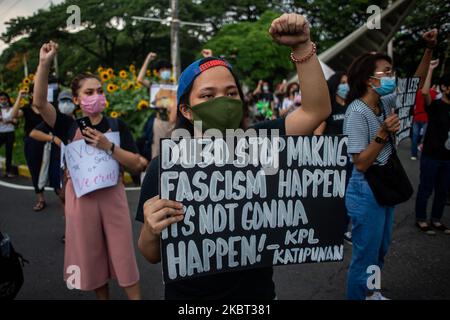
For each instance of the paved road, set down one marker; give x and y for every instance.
(417, 266)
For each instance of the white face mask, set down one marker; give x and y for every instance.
(66, 107)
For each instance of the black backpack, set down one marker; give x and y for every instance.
(11, 273)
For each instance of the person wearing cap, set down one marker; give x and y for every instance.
(209, 91)
(43, 133)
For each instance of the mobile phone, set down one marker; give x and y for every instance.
(84, 123)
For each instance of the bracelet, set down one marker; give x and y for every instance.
(305, 58)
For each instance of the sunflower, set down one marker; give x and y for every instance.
(31, 76)
(104, 76)
(155, 73)
(107, 104)
(130, 85)
(123, 74)
(100, 69)
(26, 89)
(137, 86)
(148, 73)
(26, 82)
(132, 68)
(111, 87)
(110, 71)
(13, 100)
(124, 87)
(23, 102)
(114, 114)
(143, 104)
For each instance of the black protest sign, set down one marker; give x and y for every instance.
(253, 202)
(406, 99)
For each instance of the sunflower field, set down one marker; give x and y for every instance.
(126, 98)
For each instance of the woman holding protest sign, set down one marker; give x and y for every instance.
(378, 181)
(209, 92)
(98, 227)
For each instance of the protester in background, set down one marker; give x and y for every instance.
(208, 91)
(435, 160)
(338, 89)
(33, 149)
(8, 121)
(292, 99)
(98, 226)
(369, 124)
(161, 123)
(420, 118)
(264, 101)
(43, 133)
(278, 96)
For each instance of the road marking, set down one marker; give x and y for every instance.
(29, 188)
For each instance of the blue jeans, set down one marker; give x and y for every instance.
(434, 176)
(371, 234)
(418, 131)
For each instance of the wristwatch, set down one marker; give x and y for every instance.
(380, 140)
(111, 151)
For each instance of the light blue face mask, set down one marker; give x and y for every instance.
(343, 90)
(165, 75)
(387, 85)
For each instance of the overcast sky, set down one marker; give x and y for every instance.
(15, 8)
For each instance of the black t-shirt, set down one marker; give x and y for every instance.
(32, 119)
(64, 123)
(247, 284)
(438, 131)
(335, 122)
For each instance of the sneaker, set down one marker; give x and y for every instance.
(348, 237)
(414, 158)
(440, 227)
(377, 296)
(425, 228)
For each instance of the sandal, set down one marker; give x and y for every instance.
(426, 229)
(441, 227)
(40, 205)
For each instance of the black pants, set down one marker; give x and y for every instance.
(33, 154)
(7, 139)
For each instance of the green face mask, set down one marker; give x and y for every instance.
(220, 113)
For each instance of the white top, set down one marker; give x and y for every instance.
(6, 114)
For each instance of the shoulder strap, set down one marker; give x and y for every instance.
(391, 141)
(113, 123)
(72, 131)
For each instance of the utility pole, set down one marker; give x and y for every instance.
(390, 45)
(175, 40)
(175, 25)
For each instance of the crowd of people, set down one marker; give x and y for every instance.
(358, 102)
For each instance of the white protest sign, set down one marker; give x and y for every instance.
(91, 168)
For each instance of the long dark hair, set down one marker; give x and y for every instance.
(289, 87)
(333, 83)
(361, 69)
(183, 123)
(4, 94)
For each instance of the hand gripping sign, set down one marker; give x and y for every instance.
(90, 168)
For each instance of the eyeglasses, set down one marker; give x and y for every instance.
(379, 74)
